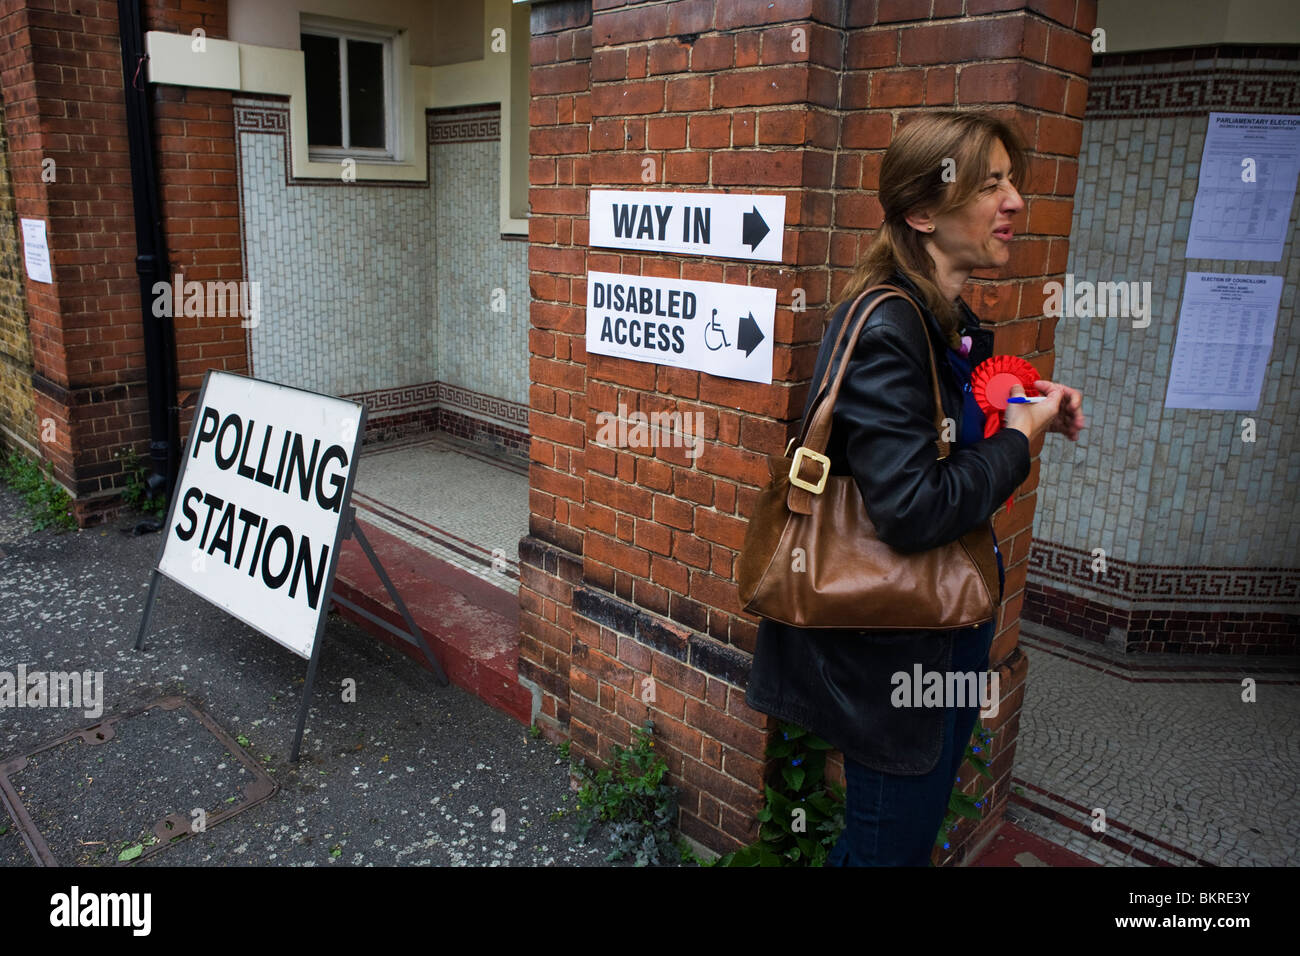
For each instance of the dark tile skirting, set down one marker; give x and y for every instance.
(1180, 609)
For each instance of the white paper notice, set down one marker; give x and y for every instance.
(1225, 335)
(36, 250)
(1247, 185)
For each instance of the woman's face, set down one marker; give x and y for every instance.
(978, 235)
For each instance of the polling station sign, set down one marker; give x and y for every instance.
(255, 520)
(713, 327)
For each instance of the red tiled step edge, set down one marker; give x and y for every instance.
(472, 627)
(1012, 846)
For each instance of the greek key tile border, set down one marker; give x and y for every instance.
(478, 405)
(1165, 584)
(482, 125)
(1191, 93)
(261, 118)
(383, 401)
(405, 398)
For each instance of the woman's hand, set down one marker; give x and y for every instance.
(1069, 420)
(1061, 412)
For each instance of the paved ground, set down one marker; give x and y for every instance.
(1186, 772)
(409, 773)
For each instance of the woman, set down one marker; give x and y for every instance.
(947, 187)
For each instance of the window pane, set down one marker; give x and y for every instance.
(324, 112)
(366, 93)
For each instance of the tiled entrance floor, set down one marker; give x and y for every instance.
(450, 498)
(1186, 772)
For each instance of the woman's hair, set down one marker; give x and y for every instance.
(912, 178)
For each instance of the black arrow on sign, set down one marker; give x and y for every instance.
(753, 229)
(749, 334)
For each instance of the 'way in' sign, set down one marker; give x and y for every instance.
(735, 226)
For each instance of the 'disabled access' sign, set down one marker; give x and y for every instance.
(726, 225)
(713, 327)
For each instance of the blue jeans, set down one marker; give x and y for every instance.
(891, 819)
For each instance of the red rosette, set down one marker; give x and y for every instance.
(991, 382)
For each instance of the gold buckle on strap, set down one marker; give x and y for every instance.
(800, 454)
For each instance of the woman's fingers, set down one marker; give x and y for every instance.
(1069, 419)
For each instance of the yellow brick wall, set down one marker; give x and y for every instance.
(17, 407)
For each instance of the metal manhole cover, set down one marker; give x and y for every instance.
(129, 786)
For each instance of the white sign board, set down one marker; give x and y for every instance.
(36, 251)
(725, 225)
(712, 327)
(254, 522)
(1225, 337)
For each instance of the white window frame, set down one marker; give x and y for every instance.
(344, 31)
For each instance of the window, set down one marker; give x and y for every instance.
(350, 109)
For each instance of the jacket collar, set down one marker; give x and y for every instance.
(969, 319)
(981, 338)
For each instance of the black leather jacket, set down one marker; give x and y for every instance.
(836, 683)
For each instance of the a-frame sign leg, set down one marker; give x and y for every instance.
(306, 695)
(148, 607)
(412, 630)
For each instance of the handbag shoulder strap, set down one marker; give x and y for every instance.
(816, 428)
(835, 349)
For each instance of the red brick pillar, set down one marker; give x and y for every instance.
(628, 573)
(61, 77)
(558, 173)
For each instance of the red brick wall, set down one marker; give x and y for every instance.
(60, 75)
(60, 72)
(194, 137)
(195, 134)
(628, 571)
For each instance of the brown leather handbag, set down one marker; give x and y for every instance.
(811, 557)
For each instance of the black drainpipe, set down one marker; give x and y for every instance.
(150, 260)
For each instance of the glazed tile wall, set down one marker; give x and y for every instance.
(1201, 530)
(385, 289)
(344, 274)
(478, 347)
(1152, 485)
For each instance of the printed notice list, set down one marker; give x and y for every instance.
(1225, 336)
(36, 251)
(1247, 186)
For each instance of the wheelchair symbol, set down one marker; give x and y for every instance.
(710, 329)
